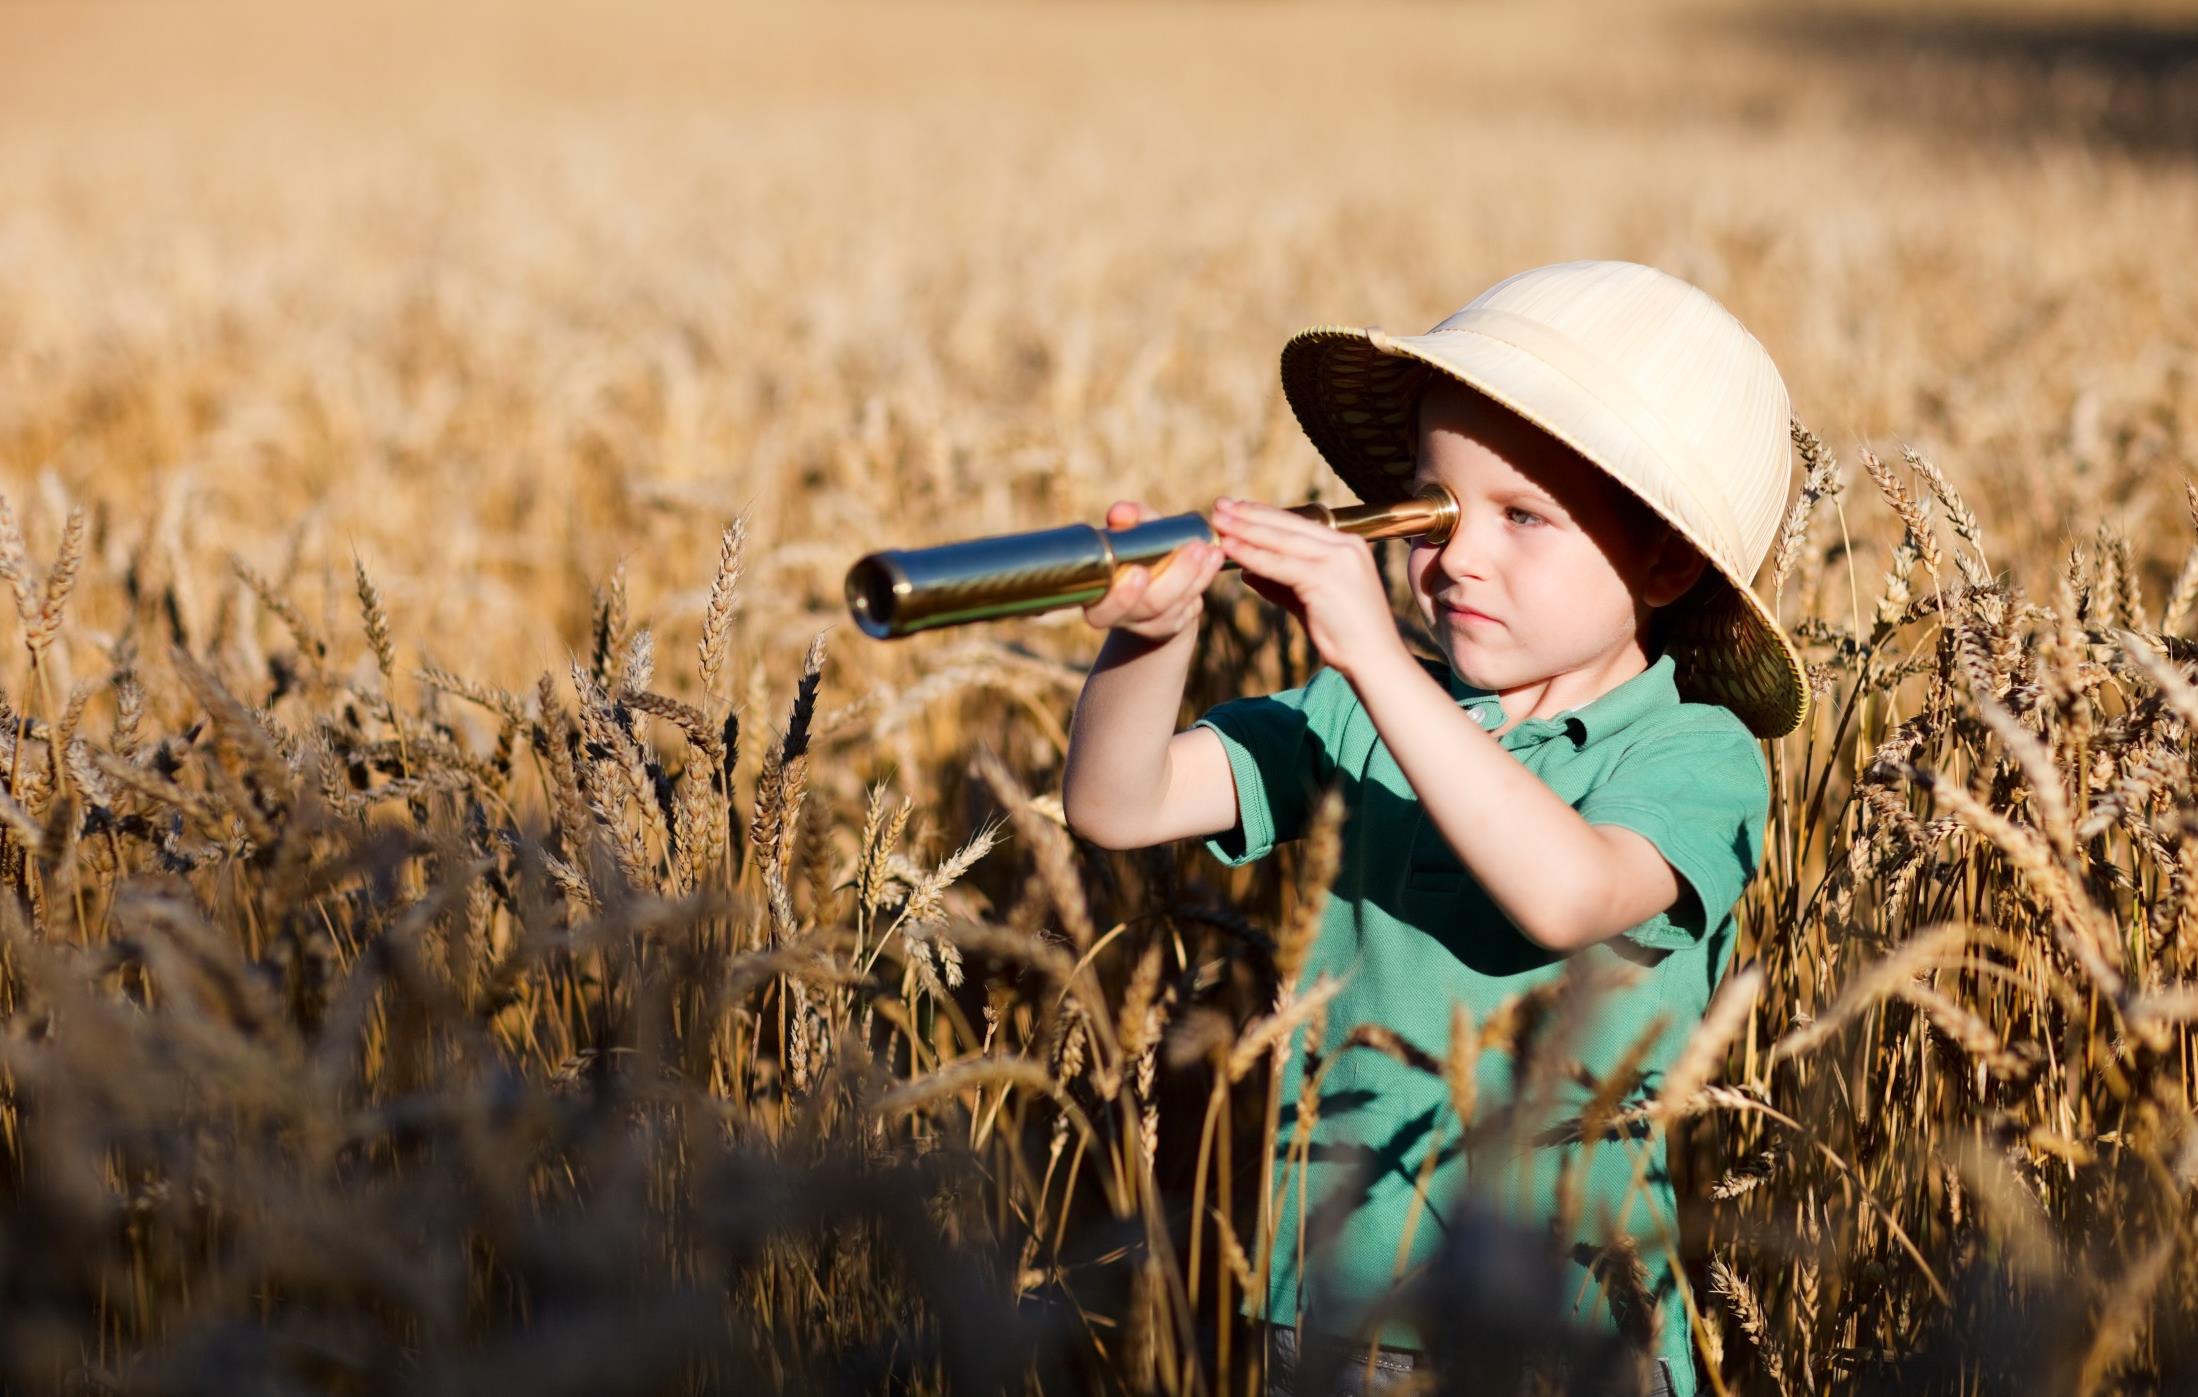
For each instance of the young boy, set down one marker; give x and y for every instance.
(1579, 782)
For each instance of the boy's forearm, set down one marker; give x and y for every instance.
(1539, 861)
(1117, 767)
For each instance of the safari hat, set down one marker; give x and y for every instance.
(1647, 377)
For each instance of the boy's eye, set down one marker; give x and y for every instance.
(1523, 513)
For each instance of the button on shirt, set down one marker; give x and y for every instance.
(1412, 933)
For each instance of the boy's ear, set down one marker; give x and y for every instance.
(1674, 565)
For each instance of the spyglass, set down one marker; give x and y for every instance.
(899, 591)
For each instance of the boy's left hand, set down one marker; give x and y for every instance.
(1324, 577)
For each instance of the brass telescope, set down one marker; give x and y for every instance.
(901, 591)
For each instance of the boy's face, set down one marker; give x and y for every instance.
(1558, 564)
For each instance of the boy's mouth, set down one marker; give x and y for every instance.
(1464, 614)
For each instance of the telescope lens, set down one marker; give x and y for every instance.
(873, 596)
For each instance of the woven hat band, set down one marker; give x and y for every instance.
(1595, 377)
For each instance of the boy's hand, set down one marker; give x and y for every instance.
(1157, 604)
(1324, 577)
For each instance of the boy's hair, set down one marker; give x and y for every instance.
(1637, 510)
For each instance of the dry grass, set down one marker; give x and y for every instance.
(474, 915)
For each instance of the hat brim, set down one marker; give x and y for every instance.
(1354, 396)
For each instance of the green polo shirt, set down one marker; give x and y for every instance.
(1412, 932)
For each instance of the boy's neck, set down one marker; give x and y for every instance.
(1574, 688)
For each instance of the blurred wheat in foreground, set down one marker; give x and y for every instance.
(474, 917)
(359, 1044)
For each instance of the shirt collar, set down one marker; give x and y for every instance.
(1653, 688)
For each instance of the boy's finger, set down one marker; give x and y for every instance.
(1121, 594)
(1189, 601)
(1179, 575)
(1282, 537)
(1257, 557)
(1254, 511)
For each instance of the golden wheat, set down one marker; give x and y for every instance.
(411, 980)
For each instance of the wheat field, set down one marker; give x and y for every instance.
(476, 914)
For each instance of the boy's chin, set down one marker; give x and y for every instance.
(1497, 675)
(1470, 668)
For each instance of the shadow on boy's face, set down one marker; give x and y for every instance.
(1621, 526)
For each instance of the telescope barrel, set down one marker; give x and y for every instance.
(901, 591)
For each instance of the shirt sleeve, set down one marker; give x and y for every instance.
(1700, 794)
(1279, 756)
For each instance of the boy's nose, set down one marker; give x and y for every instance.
(1461, 553)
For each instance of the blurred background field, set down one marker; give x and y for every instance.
(505, 302)
(573, 286)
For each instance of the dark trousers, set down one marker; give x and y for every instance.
(1393, 1370)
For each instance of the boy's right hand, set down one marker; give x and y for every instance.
(1157, 604)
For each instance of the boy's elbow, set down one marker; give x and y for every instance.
(1082, 829)
(1107, 838)
(1560, 937)
(1099, 821)
(1086, 825)
(1569, 925)
(1576, 924)
(1634, 883)
(1073, 816)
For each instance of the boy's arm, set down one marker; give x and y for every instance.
(1130, 779)
(1566, 884)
